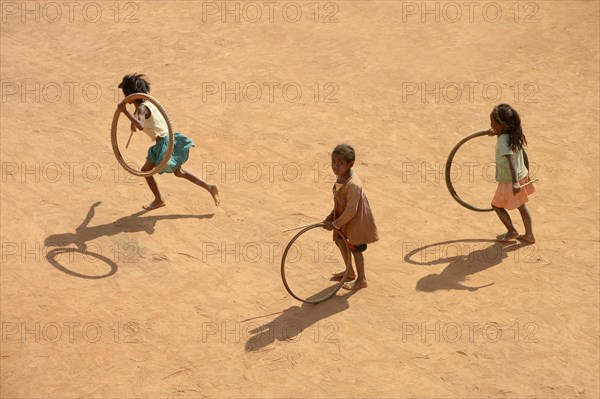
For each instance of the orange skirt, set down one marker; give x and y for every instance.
(504, 197)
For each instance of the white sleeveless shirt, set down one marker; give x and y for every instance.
(155, 126)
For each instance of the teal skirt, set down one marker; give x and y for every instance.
(180, 154)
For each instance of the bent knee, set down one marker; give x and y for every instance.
(179, 172)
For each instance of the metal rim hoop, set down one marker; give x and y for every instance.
(449, 166)
(285, 252)
(115, 145)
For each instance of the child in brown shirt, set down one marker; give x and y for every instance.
(351, 215)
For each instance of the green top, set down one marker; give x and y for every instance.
(502, 165)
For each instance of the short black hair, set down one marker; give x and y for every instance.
(135, 83)
(346, 151)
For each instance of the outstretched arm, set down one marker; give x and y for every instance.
(89, 217)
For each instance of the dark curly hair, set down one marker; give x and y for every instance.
(346, 151)
(135, 83)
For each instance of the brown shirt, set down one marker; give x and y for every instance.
(352, 214)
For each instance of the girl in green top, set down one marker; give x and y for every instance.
(511, 172)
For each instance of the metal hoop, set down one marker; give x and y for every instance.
(449, 166)
(336, 288)
(115, 145)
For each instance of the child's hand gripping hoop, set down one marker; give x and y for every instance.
(113, 135)
(296, 275)
(449, 167)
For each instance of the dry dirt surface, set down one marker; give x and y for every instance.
(101, 299)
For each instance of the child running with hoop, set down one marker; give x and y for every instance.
(511, 172)
(148, 119)
(351, 215)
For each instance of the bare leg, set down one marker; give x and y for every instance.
(528, 236)
(361, 280)
(344, 250)
(511, 232)
(211, 188)
(158, 200)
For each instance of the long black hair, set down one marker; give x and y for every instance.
(508, 117)
(135, 83)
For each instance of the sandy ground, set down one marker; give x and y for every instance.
(187, 300)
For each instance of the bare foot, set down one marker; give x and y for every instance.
(338, 276)
(214, 191)
(154, 204)
(355, 285)
(508, 236)
(527, 238)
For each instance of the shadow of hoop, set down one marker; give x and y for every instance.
(444, 250)
(52, 256)
(84, 236)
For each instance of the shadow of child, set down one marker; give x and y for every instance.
(290, 324)
(462, 266)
